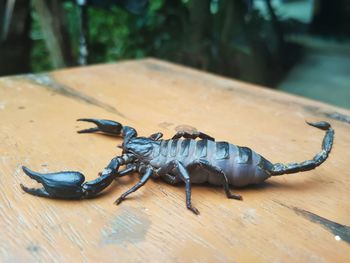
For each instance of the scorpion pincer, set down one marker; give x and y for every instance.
(180, 159)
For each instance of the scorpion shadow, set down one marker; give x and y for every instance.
(296, 186)
(266, 186)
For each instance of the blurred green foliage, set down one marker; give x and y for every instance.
(218, 36)
(39, 57)
(113, 34)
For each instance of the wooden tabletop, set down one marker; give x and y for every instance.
(303, 217)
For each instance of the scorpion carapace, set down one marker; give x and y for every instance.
(180, 159)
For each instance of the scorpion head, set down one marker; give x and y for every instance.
(140, 147)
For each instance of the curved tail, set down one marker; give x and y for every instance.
(279, 168)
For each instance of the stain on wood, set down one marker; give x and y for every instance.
(337, 229)
(342, 232)
(338, 116)
(49, 82)
(129, 226)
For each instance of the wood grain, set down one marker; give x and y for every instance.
(284, 220)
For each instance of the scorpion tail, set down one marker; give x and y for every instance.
(279, 169)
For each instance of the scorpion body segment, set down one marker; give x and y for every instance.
(180, 159)
(241, 165)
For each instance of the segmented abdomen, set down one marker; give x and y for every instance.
(241, 165)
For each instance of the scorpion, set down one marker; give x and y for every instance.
(180, 159)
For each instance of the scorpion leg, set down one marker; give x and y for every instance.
(178, 169)
(206, 165)
(144, 179)
(71, 185)
(192, 135)
(129, 169)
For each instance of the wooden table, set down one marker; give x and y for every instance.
(292, 218)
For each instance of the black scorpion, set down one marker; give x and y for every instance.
(180, 159)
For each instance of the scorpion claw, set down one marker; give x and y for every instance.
(72, 185)
(105, 126)
(62, 185)
(35, 191)
(91, 130)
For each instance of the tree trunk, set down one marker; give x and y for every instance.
(16, 45)
(52, 21)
